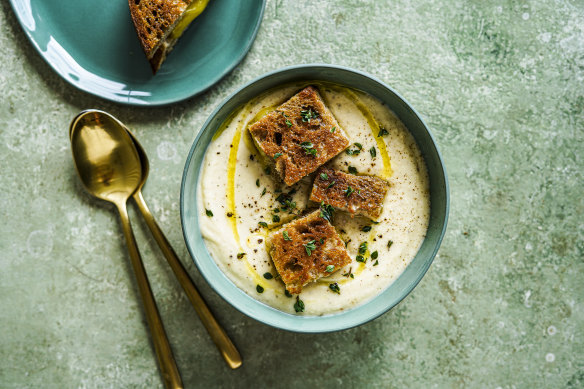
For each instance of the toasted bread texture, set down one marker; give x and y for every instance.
(358, 195)
(299, 136)
(303, 249)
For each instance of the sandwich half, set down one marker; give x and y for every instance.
(160, 23)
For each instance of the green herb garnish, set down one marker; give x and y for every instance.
(263, 192)
(277, 155)
(358, 145)
(259, 288)
(288, 123)
(286, 236)
(353, 152)
(326, 211)
(376, 263)
(331, 184)
(267, 170)
(268, 276)
(263, 224)
(352, 170)
(299, 305)
(258, 182)
(389, 244)
(349, 191)
(308, 114)
(333, 129)
(323, 176)
(374, 254)
(366, 229)
(382, 132)
(361, 259)
(275, 218)
(309, 247)
(240, 255)
(288, 294)
(363, 248)
(308, 148)
(330, 268)
(335, 288)
(209, 213)
(373, 152)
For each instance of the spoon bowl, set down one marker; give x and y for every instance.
(106, 160)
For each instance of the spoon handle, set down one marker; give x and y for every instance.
(217, 333)
(168, 367)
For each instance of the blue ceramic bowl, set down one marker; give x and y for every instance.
(399, 289)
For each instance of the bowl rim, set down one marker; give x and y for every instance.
(286, 321)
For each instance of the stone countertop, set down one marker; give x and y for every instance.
(501, 85)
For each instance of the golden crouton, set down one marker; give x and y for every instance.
(305, 250)
(358, 195)
(299, 136)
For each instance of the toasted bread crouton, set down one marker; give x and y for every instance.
(358, 195)
(305, 250)
(299, 136)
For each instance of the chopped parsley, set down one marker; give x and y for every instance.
(323, 176)
(373, 152)
(309, 247)
(349, 191)
(275, 218)
(209, 213)
(263, 224)
(268, 276)
(286, 236)
(374, 254)
(277, 155)
(299, 305)
(308, 148)
(330, 268)
(259, 288)
(366, 229)
(240, 255)
(326, 211)
(308, 114)
(382, 132)
(353, 170)
(335, 288)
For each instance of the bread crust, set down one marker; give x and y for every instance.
(297, 146)
(294, 265)
(154, 20)
(366, 197)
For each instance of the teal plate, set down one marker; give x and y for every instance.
(92, 44)
(403, 285)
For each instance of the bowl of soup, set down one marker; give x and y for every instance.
(232, 201)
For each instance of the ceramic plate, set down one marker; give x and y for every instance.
(92, 44)
(401, 287)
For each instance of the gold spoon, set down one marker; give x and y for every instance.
(109, 167)
(217, 333)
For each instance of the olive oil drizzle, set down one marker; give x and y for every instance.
(231, 167)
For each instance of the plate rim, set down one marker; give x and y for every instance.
(312, 324)
(139, 103)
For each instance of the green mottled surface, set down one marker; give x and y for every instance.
(501, 84)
